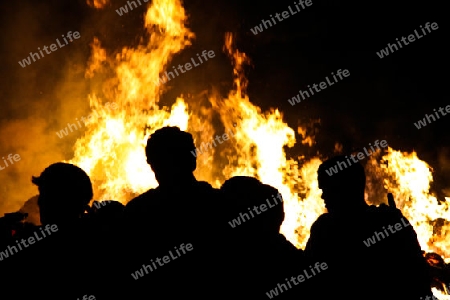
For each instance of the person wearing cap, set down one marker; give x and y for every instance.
(63, 260)
(65, 191)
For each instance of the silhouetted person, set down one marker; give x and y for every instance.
(106, 220)
(178, 214)
(262, 262)
(12, 224)
(373, 252)
(53, 261)
(19, 222)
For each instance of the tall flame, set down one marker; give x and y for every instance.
(259, 152)
(111, 151)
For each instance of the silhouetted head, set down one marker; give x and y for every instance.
(64, 193)
(242, 194)
(169, 155)
(343, 188)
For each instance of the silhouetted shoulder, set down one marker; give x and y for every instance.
(204, 199)
(141, 200)
(288, 247)
(384, 211)
(324, 236)
(384, 215)
(323, 221)
(204, 193)
(205, 187)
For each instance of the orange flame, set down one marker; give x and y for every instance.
(97, 3)
(111, 151)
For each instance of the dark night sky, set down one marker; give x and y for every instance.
(380, 100)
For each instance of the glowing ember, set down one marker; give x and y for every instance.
(97, 3)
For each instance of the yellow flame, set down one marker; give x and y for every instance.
(259, 152)
(111, 151)
(97, 58)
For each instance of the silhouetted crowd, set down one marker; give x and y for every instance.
(188, 240)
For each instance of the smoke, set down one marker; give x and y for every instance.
(46, 96)
(39, 99)
(43, 98)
